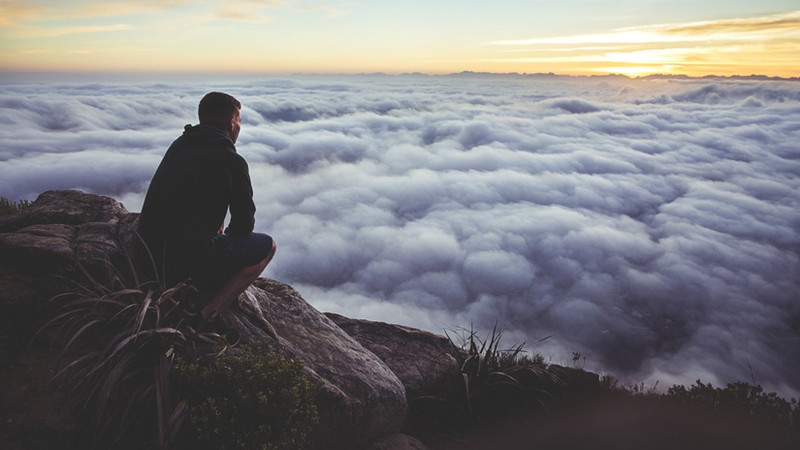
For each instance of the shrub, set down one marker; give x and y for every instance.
(253, 400)
(739, 397)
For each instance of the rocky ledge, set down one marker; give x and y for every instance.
(366, 370)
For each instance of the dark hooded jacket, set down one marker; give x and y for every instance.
(199, 179)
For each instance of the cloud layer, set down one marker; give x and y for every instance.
(650, 225)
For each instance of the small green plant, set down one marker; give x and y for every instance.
(254, 400)
(10, 207)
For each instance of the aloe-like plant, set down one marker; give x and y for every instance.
(488, 382)
(496, 380)
(121, 387)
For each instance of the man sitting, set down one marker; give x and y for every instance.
(199, 180)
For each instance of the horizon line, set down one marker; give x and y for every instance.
(198, 74)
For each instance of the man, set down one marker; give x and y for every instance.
(199, 180)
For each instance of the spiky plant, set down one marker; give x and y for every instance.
(495, 380)
(121, 387)
(488, 382)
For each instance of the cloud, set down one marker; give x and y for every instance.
(20, 12)
(726, 29)
(11, 11)
(772, 23)
(718, 46)
(650, 225)
(248, 10)
(51, 32)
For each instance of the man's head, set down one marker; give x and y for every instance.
(222, 111)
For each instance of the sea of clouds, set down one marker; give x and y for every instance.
(651, 226)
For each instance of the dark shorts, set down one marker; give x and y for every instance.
(230, 254)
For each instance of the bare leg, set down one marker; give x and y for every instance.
(234, 286)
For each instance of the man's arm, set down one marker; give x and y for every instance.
(242, 207)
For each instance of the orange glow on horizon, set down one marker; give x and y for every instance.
(282, 37)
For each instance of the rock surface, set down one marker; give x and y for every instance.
(64, 207)
(361, 398)
(417, 357)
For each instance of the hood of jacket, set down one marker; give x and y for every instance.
(208, 134)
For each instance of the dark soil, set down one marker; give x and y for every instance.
(33, 414)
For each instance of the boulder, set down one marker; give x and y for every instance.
(418, 358)
(359, 398)
(66, 233)
(64, 207)
(61, 230)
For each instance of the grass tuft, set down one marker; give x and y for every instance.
(10, 207)
(490, 382)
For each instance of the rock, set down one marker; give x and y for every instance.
(16, 289)
(360, 398)
(64, 233)
(61, 228)
(64, 207)
(38, 249)
(418, 358)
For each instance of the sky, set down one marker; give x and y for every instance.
(578, 37)
(650, 225)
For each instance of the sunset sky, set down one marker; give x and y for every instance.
(694, 37)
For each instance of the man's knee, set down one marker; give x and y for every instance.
(261, 265)
(271, 252)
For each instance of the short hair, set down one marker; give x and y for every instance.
(217, 108)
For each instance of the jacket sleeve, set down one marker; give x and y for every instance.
(242, 208)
